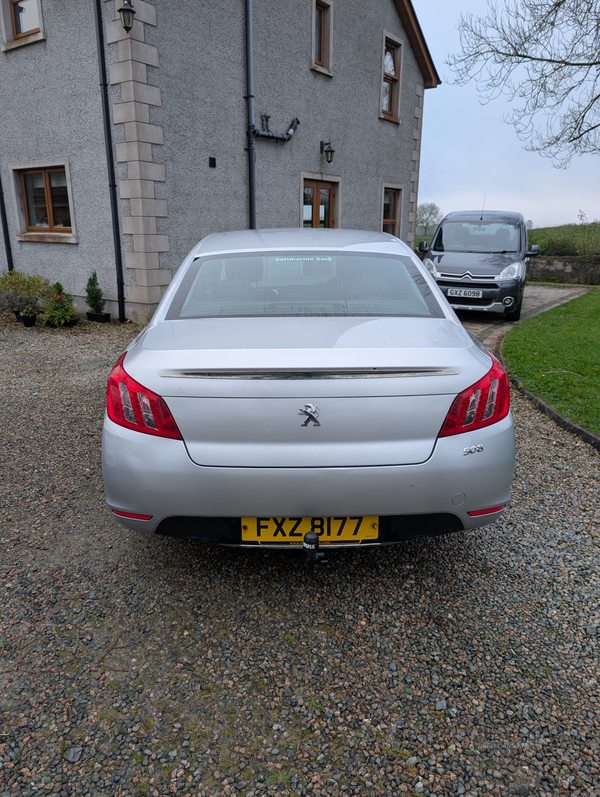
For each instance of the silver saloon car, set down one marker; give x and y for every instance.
(306, 380)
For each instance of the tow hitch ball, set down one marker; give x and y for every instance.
(313, 555)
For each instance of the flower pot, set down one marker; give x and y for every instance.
(101, 318)
(70, 323)
(29, 320)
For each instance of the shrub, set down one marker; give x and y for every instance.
(559, 246)
(19, 290)
(58, 307)
(93, 295)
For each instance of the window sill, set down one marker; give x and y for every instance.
(387, 118)
(12, 45)
(322, 69)
(48, 237)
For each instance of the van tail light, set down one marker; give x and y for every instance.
(484, 403)
(133, 406)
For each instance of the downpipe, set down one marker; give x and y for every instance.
(112, 183)
(5, 233)
(251, 129)
(252, 133)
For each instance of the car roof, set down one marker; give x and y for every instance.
(296, 238)
(485, 215)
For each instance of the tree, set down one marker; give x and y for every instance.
(545, 56)
(428, 215)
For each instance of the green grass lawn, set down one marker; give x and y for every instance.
(569, 239)
(556, 355)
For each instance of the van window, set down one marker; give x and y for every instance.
(478, 236)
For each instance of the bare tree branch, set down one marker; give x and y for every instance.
(543, 55)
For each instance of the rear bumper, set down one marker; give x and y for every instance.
(154, 476)
(227, 530)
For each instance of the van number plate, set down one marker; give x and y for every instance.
(466, 293)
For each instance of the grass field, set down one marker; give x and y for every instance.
(556, 355)
(570, 239)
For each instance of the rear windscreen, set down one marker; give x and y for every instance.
(292, 284)
(477, 236)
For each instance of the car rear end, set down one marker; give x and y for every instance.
(254, 430)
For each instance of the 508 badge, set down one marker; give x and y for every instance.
(472, 450)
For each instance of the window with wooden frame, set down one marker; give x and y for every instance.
(391, 197)
(46, 200)
(25, 18)
(390, 88)
(322, 35)
(318, 204)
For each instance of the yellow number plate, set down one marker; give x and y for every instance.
(291, 530)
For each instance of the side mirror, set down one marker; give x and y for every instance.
(534, 250)
(423, 247)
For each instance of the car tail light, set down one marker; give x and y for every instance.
(133, 406)
(484, 403)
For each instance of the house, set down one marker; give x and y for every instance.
(337, 109)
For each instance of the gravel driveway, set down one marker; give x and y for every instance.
(136, 665)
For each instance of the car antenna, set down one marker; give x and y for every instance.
(482, 207)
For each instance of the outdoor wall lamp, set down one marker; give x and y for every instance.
(328, 150)
(127, 12)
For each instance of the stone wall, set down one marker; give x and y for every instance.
(584, 270)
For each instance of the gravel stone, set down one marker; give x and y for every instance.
(73, 754)
(127, 646)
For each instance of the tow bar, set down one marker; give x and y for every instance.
(313, 555)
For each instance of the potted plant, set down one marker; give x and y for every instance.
(58, 308)
(95, 301)
(29, 315)
(19, 290)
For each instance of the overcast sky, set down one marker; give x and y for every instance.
(469, 152)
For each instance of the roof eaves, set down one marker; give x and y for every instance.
(411, 25)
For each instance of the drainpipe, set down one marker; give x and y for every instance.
(112, 183)
(5, 234)
(251, 129)
(266, 133)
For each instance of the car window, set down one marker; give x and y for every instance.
(303, 284)
(477, 236)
